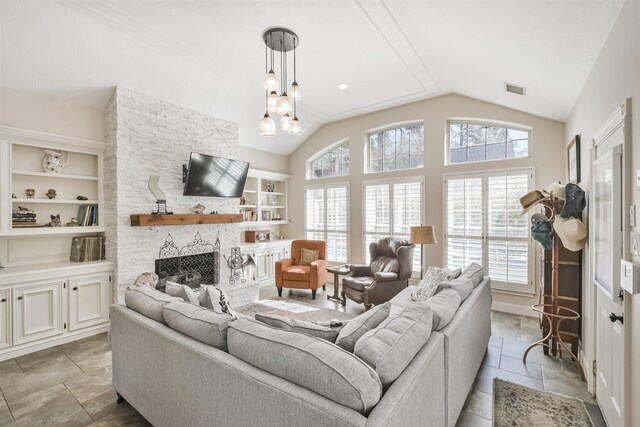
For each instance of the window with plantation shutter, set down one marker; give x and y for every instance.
(484, 225)
(391, 208)
(326, 218)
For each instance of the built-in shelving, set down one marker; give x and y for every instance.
(265, 197)
(56, 201)
(55, 175)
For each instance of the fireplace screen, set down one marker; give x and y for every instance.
(195, 264)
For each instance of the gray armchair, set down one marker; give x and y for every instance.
(387, 275)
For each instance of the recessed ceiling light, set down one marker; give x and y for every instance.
(342, 86)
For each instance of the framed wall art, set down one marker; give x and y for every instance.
(573, 159)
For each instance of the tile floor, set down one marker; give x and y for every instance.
(70, 385)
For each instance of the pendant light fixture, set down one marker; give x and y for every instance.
(282, 40)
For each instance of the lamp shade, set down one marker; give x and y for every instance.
(423, 235)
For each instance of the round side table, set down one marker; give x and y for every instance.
(555, 319)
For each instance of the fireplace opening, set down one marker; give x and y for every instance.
(197, 263)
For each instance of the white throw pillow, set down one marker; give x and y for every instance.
(182, 291)
(429, 284)
(216, 300)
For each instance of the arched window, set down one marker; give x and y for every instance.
(396, 148)
(331, 162)
(475, 141)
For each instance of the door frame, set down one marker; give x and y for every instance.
(620, 117)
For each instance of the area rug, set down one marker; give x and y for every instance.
(515, 405)
(295, 309)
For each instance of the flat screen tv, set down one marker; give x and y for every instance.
(211, 176)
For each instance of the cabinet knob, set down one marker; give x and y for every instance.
(20, 297)
(75, 288)
(3, 300)
(613, 317)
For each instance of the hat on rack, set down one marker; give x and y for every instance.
(542, 231)
(575, 201)
(556, 189)
(531, 199)
(572, 232)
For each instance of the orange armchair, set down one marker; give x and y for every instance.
(291, 275)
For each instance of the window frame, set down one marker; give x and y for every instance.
(495, 123)
(325, 187)
(497, 286)
(382, 129)
(325, 150)
(416, 274)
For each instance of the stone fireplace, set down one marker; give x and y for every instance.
(144, 137)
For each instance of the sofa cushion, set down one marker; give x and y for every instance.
(391, 346)
(288, 323)
(475, 272)
(214, 299)
(298, 272)
(307, 361)
(198, 322)
(307, 256)
(385, 264)
(429, 284)
(182, 291)
(462, 285)
(148, 301)
(362, 324)
(454, 274)
(357, 282)
(444, 305)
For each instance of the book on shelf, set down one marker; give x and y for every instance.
(87, 248)
(87, 215)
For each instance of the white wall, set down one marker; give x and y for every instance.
(615, 76)
(547, 159)
(264, 160)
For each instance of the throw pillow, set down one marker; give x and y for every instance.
(199, 323)
(147, 279)
(216, 300)
(444, 306)
(362, 324)
(307, 256)
(307, 361)
(182, 291)
(462, 285)
(290, 324)
(475, 272)
(148, 301)
(429, 284)
(393, 344)
(454, 274)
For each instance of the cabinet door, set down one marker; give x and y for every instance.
(5, 319)
(37, 311)
(263, 265)
(89, 299)
(276, 255)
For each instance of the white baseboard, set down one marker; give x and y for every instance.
(522, 310)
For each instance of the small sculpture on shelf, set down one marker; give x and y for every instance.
(271, 186)
(53, 162)
(82, 198)
(30, 193)
(51, 194)
(197, 209)
(55, 221)
(73, 223)
(13, 196)
(161, 198)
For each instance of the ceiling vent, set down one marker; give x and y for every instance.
(518, 90)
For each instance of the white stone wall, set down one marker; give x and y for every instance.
(147, 136)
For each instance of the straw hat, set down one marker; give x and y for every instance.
(531, 199)
(572, 232)
(556, 189)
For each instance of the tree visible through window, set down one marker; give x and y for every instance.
(333, 162)
(396, 148)
(476, 142)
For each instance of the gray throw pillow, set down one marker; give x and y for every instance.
(307, 361)
(362, 324)
(454, 274)
(475, 272)
(288, 323)
(394, 343)
(148, 301)
(214, 299)
(462, 285)
(444, 305)
(429, 284)
(182, 291)
(199, 323)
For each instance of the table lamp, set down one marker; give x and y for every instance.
(422, 235)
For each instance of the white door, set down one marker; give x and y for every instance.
(37, 310)
(606, 246)
(263, 265)
(5, 319)
(89, 299)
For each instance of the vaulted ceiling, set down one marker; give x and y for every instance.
(209, 55)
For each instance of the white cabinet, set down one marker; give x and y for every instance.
(89, 299)
(264, 268)
(265, 256)
(5, 318)
(37, 309)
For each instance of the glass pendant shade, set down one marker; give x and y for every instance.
(296, 127)
(284, 104)
(285, 122)
(272, 101)
(271, 81)
(295, 91)
(267, 126)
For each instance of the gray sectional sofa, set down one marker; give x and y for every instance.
(175, 380)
